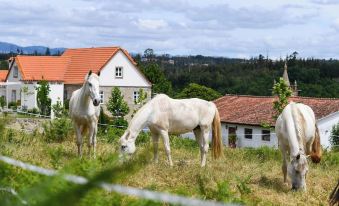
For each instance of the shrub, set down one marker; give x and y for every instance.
(112, 134)
(143, 138)
(58, 130)
(3, 122)
(2, 101)
(181, 142)
(12, 105)
(59, 110)
(34, 110)
(120, 122)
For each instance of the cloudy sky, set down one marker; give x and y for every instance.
(233, 28)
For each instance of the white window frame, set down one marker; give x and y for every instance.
(13, 95)
(136, 96)
(15, 72)
(119, 72)
(102, 97)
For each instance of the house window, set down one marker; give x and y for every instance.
(13, 98)
(266, 135)
(135, 96)
(118, 72)
(15, 72)
(101, 93)
(248, 133)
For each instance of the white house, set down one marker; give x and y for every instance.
(66, 73)
(249, 116)
(3, 75)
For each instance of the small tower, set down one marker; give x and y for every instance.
(285, 76)
(294, 87)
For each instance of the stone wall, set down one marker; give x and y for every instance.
(127, 92)
(69, 89)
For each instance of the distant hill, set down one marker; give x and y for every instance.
(8, 48)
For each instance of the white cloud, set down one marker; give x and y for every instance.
(336, 24)
(244, 28)
(151, 24)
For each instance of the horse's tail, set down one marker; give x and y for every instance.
(216, 136)
(316, 147)
(299, 124)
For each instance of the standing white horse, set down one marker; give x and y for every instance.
(164, 115)
(84, 111)
(299, 137)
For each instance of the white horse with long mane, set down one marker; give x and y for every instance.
(84, 111)
(298, 137)
(163, 115)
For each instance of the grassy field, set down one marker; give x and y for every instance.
(247, 176)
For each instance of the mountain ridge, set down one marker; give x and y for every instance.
(6, 47)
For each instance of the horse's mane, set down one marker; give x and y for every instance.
(299, 123)
(139, 113)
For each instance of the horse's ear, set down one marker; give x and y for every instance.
(298, 157)
(99, 73)
(90, 72)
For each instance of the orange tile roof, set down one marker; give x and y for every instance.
(3, 75)
(70, 68)
(51, 68)
(256, 110)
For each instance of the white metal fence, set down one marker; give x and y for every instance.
(125, 190)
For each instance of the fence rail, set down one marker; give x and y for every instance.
(125, 190)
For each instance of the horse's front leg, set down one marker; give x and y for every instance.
(165, 137)
(90, 138)
(284, 165)
(94, 139)
(78, 131)
(155, 138)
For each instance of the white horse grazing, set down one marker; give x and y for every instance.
(299, 137)
(84, 111)
(164, 115)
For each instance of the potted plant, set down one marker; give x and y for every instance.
(232, 140)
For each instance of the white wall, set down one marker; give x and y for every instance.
(256, 140)
(29, 100)
(57, 92)
(131, 76)
(325, 127)
(16, 87)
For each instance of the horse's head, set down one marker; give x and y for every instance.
(127, 142)
(92, 85)
(297, 171)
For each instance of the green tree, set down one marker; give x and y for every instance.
(59, 109)
(44, 102)
(140, 101)
(283, 92)
(334, 139)
(48, 52)
(198, 91)
(118, 107)
(3, 65)
(157, 77)
(2, 101)
(149, 54)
